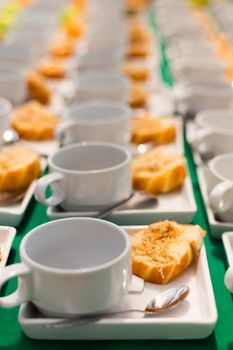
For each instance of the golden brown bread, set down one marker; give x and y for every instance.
(136, 70)
(52, 68)
(164, 250)
(38, 88)
(34, 122)
(19, 166)
(138, 32)
(147, 128)
(138, 95)
(138, 49)
(158, 171)
(62, 46)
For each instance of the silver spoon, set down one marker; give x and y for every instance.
(161, 303)
(10, 136)
(144, 201)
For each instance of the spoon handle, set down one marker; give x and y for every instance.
(107, 211)
(71, 322)
(159, 304)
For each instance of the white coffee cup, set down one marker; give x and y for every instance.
(98, 86)
(13, 85)
(87, 176)
(221, 196)
(70, 267)
(99, 60)
(198, 94)
(228, 279)
(204, 66)
(5, 110)
(18, 53)
(96, 121)
(215, 131)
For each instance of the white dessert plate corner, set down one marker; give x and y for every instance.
(195, 318)
(12, 214)
(227, 239)
(217, 228)
(7, 235)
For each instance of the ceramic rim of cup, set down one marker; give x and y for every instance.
(88, 270)
(213, 162)
(125, 112)
(90, 143)
(219, 129)
(12, 71)
(85, 82)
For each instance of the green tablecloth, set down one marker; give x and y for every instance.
(11, 336)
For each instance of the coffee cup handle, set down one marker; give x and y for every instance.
(21, 295)
(61, 130)
(220, 198)
(228, 279)
(58, 192)
(200, 138)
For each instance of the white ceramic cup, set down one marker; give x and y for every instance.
(221, 196)
(215, 131)
(18, 53)
(87, 176)
(204, 66)
(98, 86)
(96, 121)
(228, 279)
(99, 60)
(198, 94)
(70, 267)
(13, 85)
(5, 110)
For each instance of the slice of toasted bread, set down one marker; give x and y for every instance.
(164, 250)
(138, 95)
(34, 122)
(158, 171)
(19, 166)
(38, 87)
(136, 70)
(159, 130)
(52, 68)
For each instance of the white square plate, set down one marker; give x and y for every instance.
(206, 184)
(7, 235)
(195, 318)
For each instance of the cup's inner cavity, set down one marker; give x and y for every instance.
(71, 246)
(101, 83)
(224, 122)
(89, 158)
(98, 114)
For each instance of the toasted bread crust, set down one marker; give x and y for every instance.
(164, 250)
(52, 68)
(38, 87)
(33, 122)
(19, 166)
(160, 130)
(138, 95)
(158, 171)
(136, 71)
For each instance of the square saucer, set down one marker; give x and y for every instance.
(195, 318)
